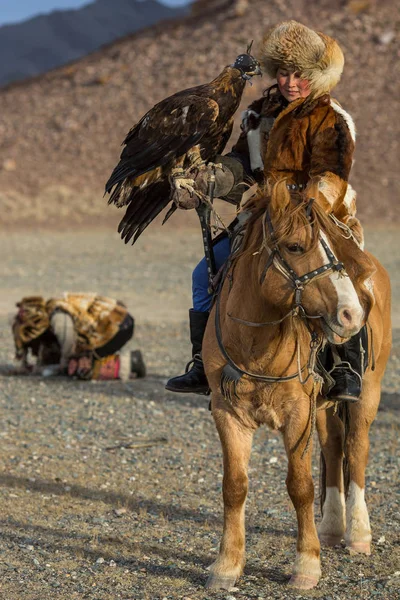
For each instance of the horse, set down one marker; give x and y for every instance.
(260, 355)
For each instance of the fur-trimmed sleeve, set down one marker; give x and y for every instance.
(332, 142)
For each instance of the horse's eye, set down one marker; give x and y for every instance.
(295, 248)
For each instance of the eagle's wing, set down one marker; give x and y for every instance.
(164, 134)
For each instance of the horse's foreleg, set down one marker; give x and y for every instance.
(331, 436)
(307, 569)
(236, 443)
(358, 530)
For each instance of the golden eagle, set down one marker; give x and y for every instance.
(186, 129)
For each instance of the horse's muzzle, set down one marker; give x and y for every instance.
(337, 334)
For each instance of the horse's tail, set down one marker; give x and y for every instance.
(344, 415)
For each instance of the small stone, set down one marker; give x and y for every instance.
(386, 37)
(113, 563)
(100, 561)
(119, 512)
(381, 540)
(273, 459)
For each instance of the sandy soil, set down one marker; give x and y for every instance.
(81, 521)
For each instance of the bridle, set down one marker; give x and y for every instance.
(298, 281)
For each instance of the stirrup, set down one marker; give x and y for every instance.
(348, 384)
(190, 363)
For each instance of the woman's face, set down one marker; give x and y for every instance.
(291, 85)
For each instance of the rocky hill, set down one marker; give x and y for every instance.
(60, 133)
(51, 40)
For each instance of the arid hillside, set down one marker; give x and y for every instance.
(60, 133)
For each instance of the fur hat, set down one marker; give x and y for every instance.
(316, 56)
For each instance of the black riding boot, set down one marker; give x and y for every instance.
(194, 381)
(345, 365)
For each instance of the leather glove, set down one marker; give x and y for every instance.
(192, 186)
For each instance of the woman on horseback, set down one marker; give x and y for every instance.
(296, 132)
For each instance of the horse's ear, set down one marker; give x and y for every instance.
(280, 198)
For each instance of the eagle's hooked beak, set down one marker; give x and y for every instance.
(249, 74)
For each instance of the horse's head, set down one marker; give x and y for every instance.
(301, 270)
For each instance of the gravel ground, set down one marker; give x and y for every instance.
(81, 521)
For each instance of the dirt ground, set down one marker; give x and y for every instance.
(81, 521)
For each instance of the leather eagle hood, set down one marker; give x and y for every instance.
(316, 56)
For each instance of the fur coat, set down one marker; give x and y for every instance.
(310, 144)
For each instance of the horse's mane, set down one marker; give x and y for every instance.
(288, 213)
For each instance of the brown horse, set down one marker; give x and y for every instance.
(285, 293)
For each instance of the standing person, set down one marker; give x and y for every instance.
(79, 334)
(296, 132)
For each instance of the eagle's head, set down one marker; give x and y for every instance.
(247, 64)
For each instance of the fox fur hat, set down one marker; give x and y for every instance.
(317, 57)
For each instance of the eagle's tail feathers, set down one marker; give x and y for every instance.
(142, 210)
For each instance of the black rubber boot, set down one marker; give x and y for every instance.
(194, 381)
(347, 386)
(348, 373)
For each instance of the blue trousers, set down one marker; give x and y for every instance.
(201, 298)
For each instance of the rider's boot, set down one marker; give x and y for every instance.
(194, 380)
(347, 370)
